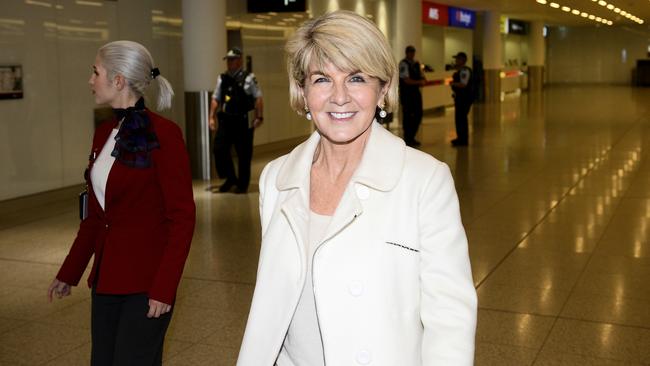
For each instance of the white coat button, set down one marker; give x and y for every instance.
(364, 357)
(355, 288)
(363, 192)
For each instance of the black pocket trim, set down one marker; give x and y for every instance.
(403, 246)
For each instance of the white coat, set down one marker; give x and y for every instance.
(392, 278)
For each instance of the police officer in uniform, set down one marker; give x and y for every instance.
(463, 98)
(235, 94)
(410, 81)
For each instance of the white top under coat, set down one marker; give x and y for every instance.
(303, 344)
(102, 167)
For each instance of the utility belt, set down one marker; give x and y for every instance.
(233, 120)
(232, 116)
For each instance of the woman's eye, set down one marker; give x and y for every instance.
(357, 79)
(320, 80)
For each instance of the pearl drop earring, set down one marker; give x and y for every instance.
(382, 112)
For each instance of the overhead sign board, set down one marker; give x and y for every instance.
(434, 14)
(463, 18)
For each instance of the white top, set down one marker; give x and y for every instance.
(303, 344)
(102, 167)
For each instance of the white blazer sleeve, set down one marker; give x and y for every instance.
(264, 215)
(448, 298)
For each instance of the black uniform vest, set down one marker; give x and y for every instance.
(415, 73)
(466, 93)
(233, 98)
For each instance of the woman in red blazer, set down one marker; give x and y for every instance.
(141, 213)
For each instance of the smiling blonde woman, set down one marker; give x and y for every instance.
(364, 257)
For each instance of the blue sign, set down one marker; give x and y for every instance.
(462, 18)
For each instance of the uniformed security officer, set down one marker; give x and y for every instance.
(463, 98)
(410, 81)
(235, 94)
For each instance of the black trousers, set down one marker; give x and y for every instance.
(233, 130)
(122, 335)
(411, 115)
(462, 107)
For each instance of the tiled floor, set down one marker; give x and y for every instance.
(555, 197)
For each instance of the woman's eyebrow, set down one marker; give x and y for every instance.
(316, 72)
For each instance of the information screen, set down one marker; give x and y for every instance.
(279, 6)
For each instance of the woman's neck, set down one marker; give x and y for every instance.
(339, 160)
(123, 101)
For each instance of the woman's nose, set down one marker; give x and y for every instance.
(339, 94)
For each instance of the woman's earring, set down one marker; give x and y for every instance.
(308, 115)
(382, 112)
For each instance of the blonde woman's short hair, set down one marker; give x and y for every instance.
(346, 40)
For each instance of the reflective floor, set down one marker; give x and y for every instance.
(555, 198)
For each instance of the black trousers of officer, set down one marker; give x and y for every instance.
(122, 334)
(234, 130)
(462, 106)
(411, 114)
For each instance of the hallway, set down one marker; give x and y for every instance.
(555, 198)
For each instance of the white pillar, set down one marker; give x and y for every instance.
(537, 56)
(204, 45)
(492, 56)
(408, 27)
(204, 42)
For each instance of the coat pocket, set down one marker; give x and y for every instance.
(402, 245)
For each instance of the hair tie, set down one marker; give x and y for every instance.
(154, 72)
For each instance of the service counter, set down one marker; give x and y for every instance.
(437, 92)
(513, 79)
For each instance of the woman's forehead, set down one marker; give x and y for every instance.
(327, 67)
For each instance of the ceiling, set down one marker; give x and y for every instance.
(518, 9)
(532, 10)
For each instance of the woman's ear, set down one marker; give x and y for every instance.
(119, 81)
(382, 95)
(304, 98)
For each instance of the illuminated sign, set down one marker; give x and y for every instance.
(280, 6)
(517, 27)
(435, 14)
(462, 18)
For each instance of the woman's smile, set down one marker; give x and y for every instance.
(342, 116)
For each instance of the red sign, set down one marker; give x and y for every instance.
(435, 14)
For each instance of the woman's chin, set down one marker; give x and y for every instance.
(342, 138)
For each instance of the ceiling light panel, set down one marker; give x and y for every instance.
(603, 3)
(617, 10)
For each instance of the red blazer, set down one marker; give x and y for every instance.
(142, 238)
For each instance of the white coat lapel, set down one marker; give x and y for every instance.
(293, 178)
(383, 149)
(295, 210)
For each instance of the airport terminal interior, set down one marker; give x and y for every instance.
(554, 186)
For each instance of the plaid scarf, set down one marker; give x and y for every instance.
(135, 139)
